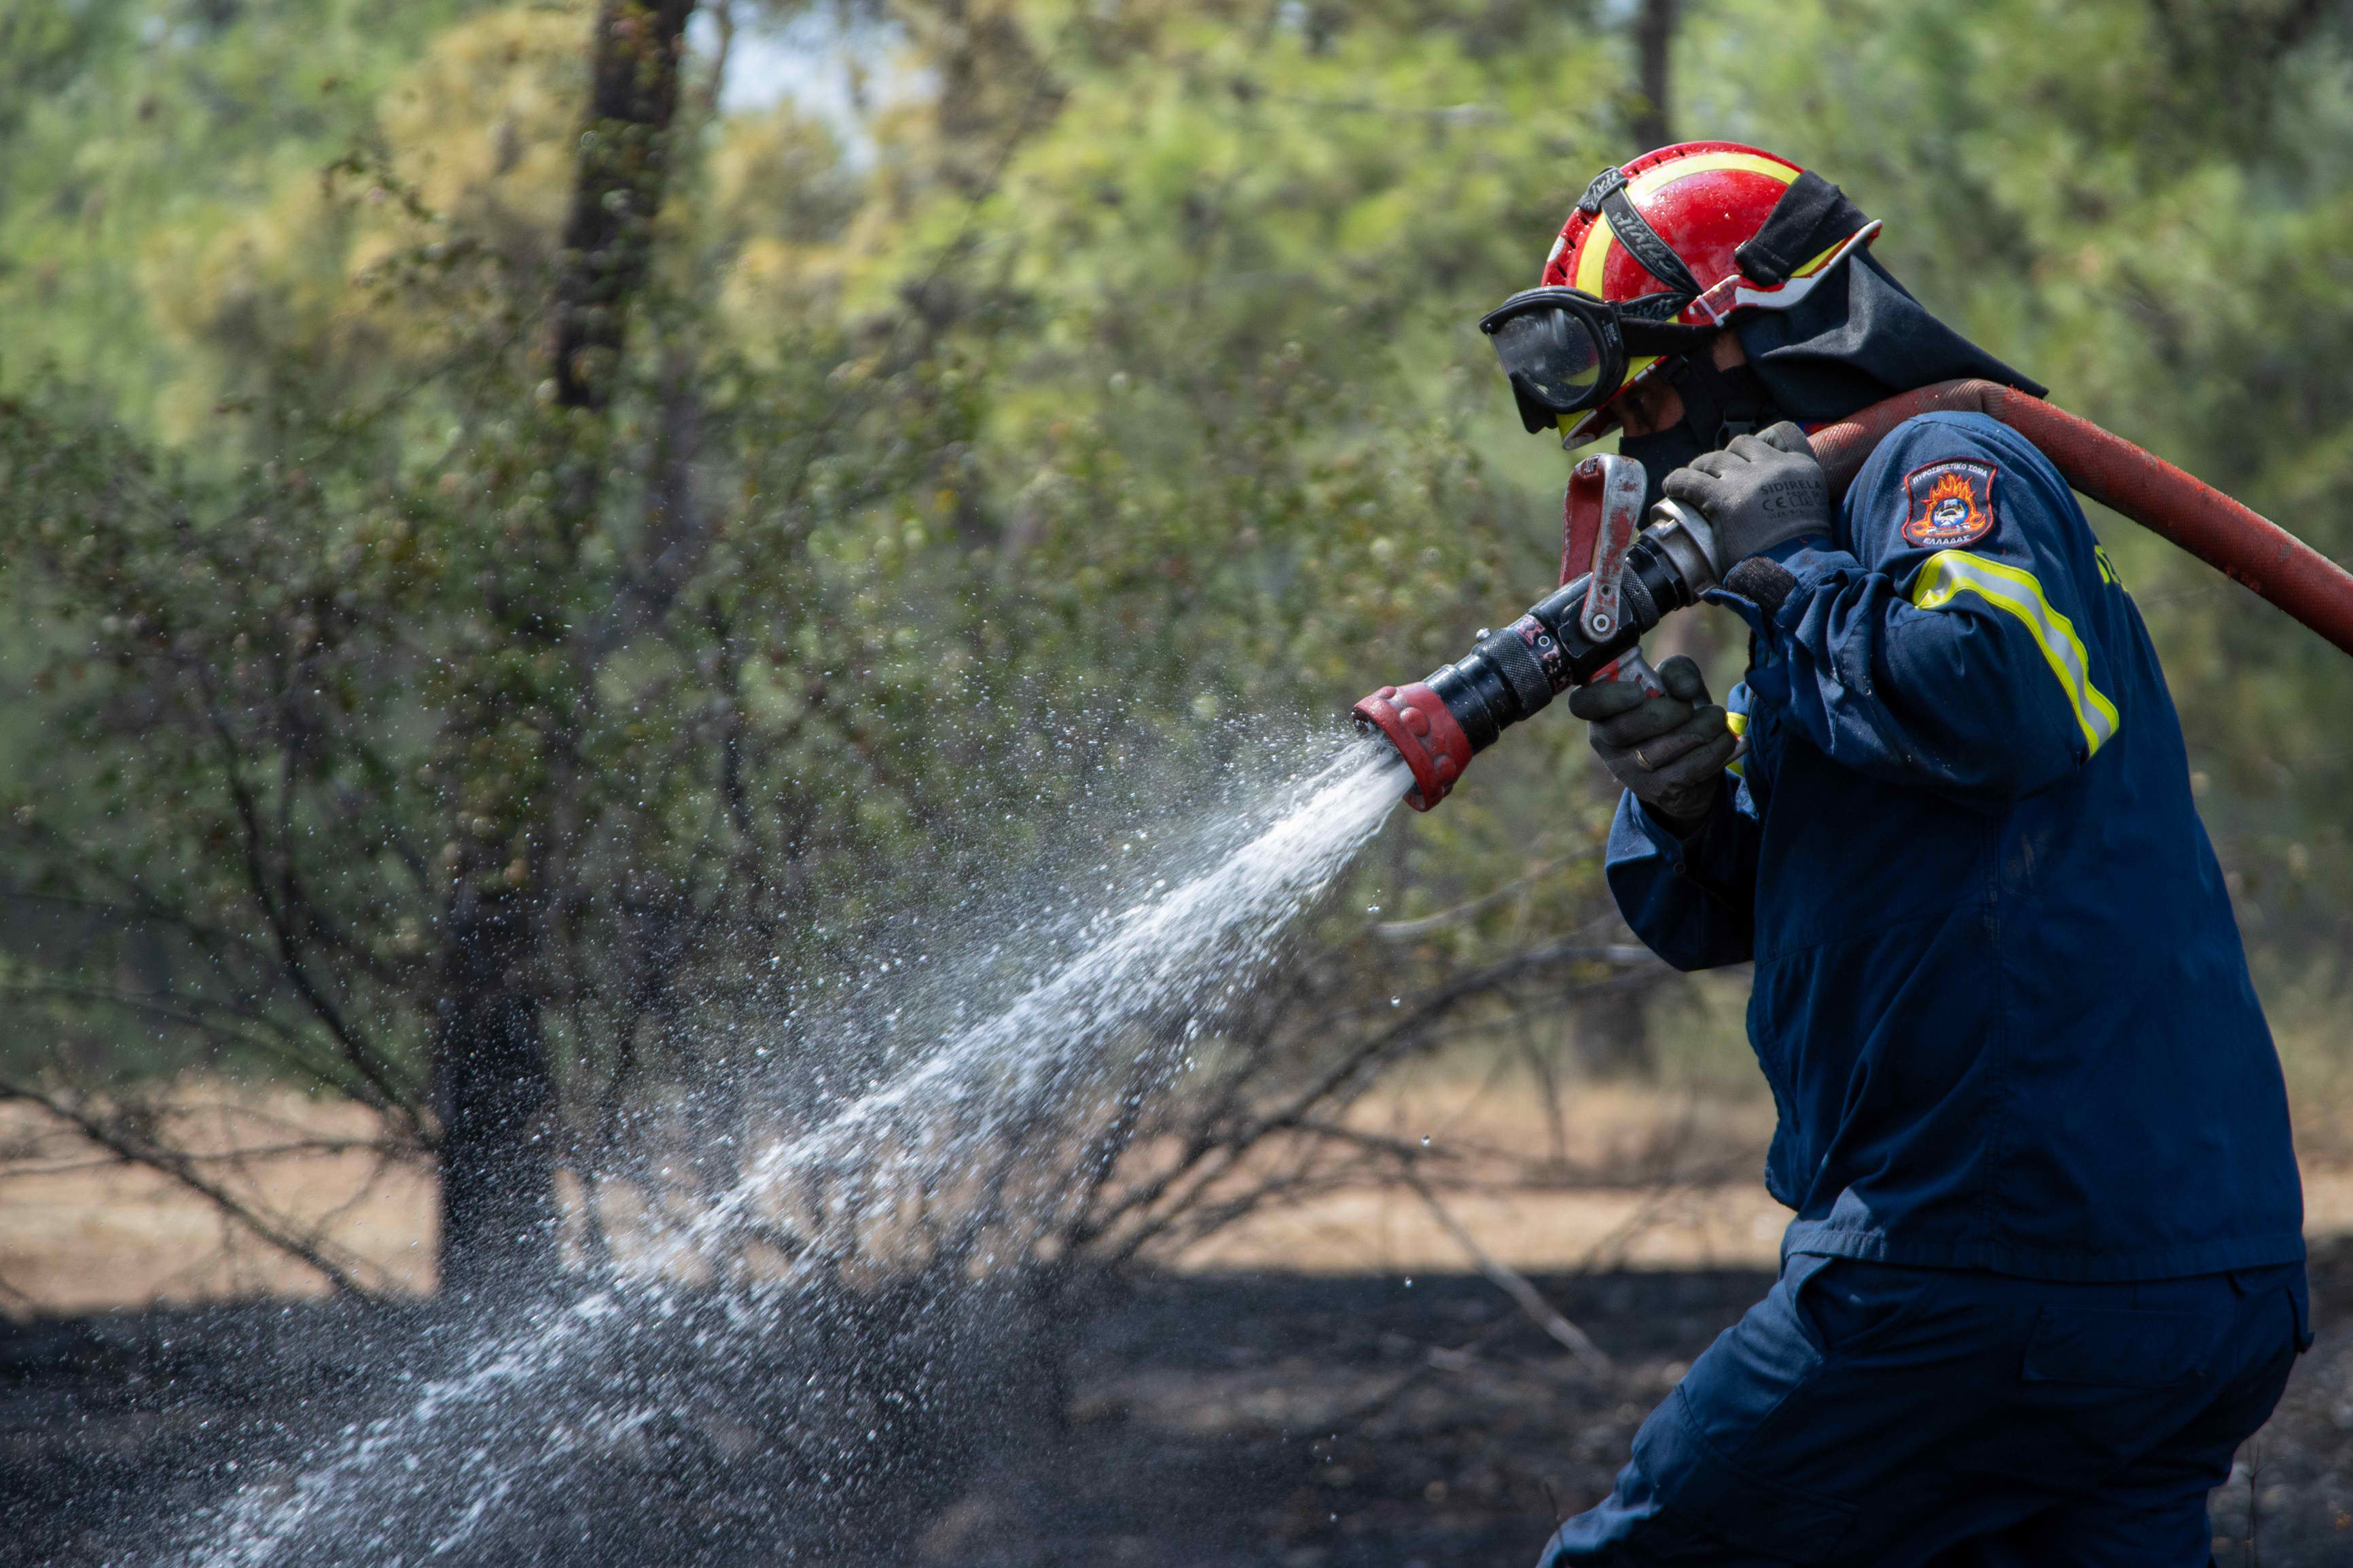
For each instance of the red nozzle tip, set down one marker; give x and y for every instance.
(1415, 721)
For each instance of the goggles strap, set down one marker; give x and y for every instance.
(1607, 197)
(1647, 337)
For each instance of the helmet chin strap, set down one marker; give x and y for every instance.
(1721, 403)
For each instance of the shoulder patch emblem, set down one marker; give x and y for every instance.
(1949, 504)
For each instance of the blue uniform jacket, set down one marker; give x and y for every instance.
(1999, 993)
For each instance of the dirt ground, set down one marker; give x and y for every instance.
(1326, 1386)
(83, 1232)
(1637, 1177)
(1342, 1422)
(1633, 1178)
(1213, 1421)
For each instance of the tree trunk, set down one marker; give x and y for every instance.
(1654, 39)
(492, 1076)
(616, 191)
(495, 1098)
(1613, 1033)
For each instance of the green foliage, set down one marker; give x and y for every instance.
(1124, 406)
(135, 136)
(1241, 453)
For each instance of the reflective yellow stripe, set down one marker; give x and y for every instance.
(2107, 567)
(1738, 724)
(1950, 573)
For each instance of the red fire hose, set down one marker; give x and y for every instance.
(2146, 489)
(1439, 724)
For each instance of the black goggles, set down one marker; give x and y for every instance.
(1566, 352)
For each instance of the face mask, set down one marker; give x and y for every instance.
(1661, 453)
(1717, 405)
(1721, 403)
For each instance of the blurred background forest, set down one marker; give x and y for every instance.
(525, 543)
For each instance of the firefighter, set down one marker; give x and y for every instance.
(2046, 1272)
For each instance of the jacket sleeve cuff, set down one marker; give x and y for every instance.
(1811, 558)
(1811, 561)
(1675, 847)
(1816, 544)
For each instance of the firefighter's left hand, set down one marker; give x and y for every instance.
(1758, 493)
(1669, 750)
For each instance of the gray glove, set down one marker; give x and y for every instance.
(1669, 750)
(1756, 492)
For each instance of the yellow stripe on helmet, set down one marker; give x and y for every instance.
(1951, 572)
(1819, 262)
(1599, 238)
(1649, 180)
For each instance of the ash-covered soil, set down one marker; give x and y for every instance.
(1210, 1421)
(1354, 1422)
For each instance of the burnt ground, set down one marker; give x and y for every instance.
(1212, 1422)
(1345, 1422)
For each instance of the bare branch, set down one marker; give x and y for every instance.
(362, 1057)
(1512, 1283)
(183, 1168)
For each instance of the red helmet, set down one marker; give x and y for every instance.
(1681, 237)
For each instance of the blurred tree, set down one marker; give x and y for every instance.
(482, 736)
(1654, 43)
(494, 1089)
(134, 134)
(514, 609)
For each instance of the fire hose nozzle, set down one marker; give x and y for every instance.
(1618, 579)
(1437, 724)
(1415, 720)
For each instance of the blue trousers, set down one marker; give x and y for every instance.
(1865, 1415)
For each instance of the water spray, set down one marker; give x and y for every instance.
(1628, 581)
(488, 1457)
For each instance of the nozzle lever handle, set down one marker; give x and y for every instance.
(1610, 488)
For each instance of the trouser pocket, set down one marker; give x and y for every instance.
(1708, 1453)
(2118, 1347)
(1696, 1480)
(1848, 1306)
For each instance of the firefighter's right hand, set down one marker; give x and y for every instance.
(1669, 750)
(1760, 492)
